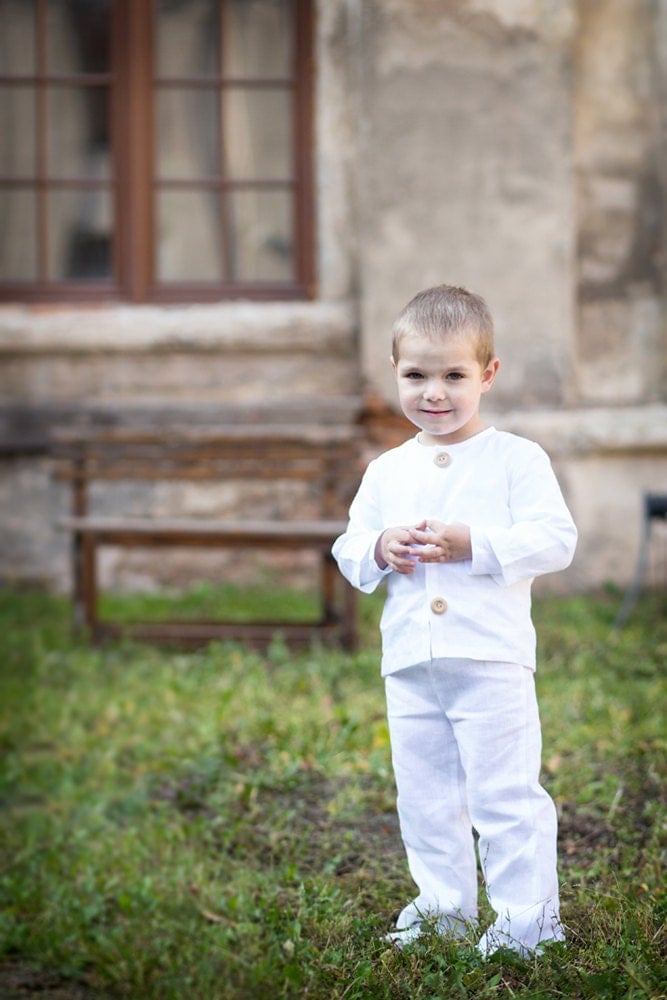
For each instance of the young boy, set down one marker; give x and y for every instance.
(460, 519)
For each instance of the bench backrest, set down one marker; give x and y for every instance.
(327, 459)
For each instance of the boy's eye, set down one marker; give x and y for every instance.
(455, 376)
(413, 375)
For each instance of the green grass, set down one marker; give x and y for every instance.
(205, 601)
(220, 825)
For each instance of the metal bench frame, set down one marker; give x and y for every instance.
(654, 507)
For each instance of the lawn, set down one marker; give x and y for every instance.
(220, 825)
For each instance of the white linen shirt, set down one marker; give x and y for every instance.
(503, 487)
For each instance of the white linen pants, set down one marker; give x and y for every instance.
(466, 745)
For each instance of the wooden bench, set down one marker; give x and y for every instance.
(325, 460)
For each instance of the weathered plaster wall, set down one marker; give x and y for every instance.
(619, 149)
(466, 176)
(187, 362)
(200, 353)
(518, 148)
(239, 352)
(515, 146)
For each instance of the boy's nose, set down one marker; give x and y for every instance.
(435, 389)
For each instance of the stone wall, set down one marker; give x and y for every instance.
(517, 148)
(619, 151)
(120, 355)
(467, 177)
(513, 146)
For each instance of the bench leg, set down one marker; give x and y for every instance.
(350, 636)
(89, 585)
(78, 584)
(344, 610)
(328, 584)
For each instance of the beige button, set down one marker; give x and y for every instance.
(442, 459)
(438, 605)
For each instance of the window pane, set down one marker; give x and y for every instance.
(187, 38)
(187, 134)
(18, 236)
(261, 231)
(257, 40)
(258, 135)
(78, 132)
(189, 235)
(78, 36)
(219, 170)
(17, 31)
(80, 232)
(17, 132)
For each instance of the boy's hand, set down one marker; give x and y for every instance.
(443, 542)
(426, 542)
(396, 549)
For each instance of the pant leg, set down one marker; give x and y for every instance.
(435, 825)
(493, 710)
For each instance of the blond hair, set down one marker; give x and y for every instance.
(446, 309)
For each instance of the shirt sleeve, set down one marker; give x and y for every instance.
(354, 551)
(542, 535)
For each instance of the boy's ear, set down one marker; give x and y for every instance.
(489, 374)
(393, 363)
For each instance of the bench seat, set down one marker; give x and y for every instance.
(200, 531)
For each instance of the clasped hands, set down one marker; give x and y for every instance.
(430, 541)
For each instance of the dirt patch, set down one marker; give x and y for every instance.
(20, 981)
(586, 834)
(263, 824)
(359, 843)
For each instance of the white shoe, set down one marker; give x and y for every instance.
(492, 942)
(403, 937)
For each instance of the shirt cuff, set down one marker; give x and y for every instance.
(484, 559)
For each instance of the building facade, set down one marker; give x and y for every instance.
(219, 204)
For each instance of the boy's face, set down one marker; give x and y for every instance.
(440, 383)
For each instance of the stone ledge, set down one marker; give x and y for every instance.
(605, 431)
(27, 429)
(232, 326)
(602, 430)
(576, 431)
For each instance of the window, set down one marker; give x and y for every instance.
(155, 150)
